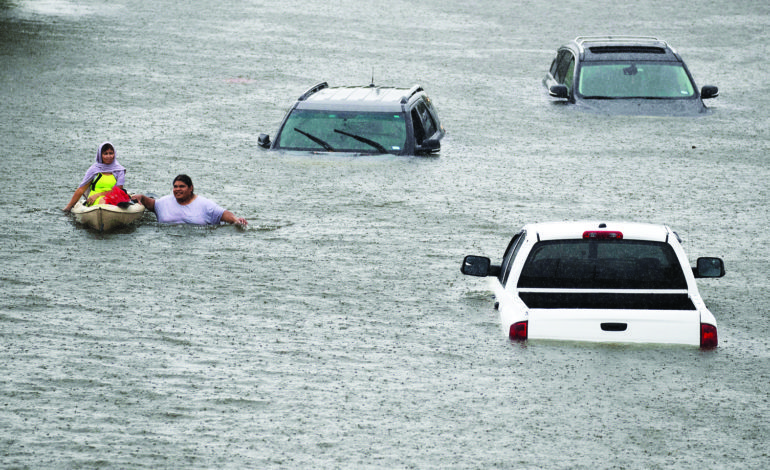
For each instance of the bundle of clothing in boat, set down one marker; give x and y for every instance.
(117, 197)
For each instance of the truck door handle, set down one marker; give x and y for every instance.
(614, 326)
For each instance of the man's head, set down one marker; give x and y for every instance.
(183, 188)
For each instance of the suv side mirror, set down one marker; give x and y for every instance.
(709, 267)
(709, 91)
(429, 146)
(263, 141)
(559, 91)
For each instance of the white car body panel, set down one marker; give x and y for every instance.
(642, 326)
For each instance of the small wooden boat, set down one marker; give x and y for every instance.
(105, 217)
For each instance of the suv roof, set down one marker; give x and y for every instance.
(365, 98)
(598, 48)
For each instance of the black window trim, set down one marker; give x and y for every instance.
(510, 255)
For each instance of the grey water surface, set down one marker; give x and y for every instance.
(336, 331)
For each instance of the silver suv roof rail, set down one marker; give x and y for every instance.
(412, 91)
(580, 40)
(312, 90)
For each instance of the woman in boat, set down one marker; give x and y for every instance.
(100, 178)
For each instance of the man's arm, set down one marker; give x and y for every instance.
(147, 202)
(230, 218)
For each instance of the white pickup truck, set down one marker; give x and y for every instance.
(614, 282)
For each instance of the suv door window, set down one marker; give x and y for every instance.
(424, 125)
(570, 74)
(510, 254)
(432, 117)
(419, 130)
(560, 66)
(564, 68)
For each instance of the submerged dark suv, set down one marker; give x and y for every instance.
(625, 75)
(365, 119)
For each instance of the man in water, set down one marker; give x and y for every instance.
(186, 207)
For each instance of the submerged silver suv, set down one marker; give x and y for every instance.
(363, 120)
(625, 75)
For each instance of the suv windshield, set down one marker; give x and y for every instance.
(602, 264)
(343, 131)
(634, 80)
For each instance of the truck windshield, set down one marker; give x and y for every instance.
(602, 264)
(348, 131)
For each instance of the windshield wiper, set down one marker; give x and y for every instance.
(315, 139)
(374, 144)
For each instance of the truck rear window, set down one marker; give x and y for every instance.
(602, 264)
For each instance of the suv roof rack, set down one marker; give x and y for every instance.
(581, 40)
(412, 91)
(312, 90)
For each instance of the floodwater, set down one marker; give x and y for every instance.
(336, 331)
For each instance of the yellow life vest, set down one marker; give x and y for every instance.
(100, 184)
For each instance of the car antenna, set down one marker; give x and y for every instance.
(372, 85)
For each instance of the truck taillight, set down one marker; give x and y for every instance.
(602, 235)
(708, 336)
(518, 331)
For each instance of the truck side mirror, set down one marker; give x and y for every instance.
(709, 267)
(478, 266)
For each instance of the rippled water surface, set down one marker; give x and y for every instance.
(336, 331)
